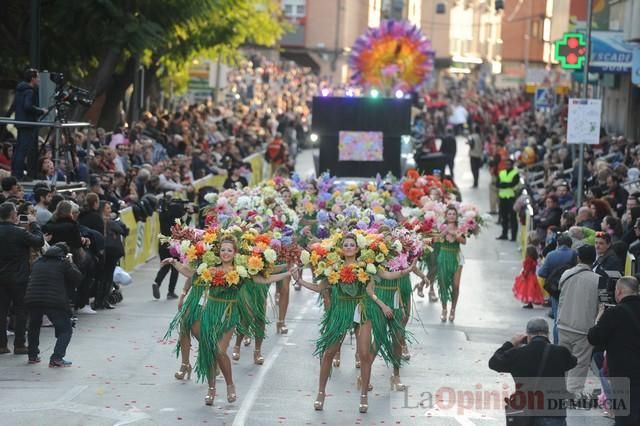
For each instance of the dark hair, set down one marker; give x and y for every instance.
(570, 218)
(23, 208)
(5, 148)
(6, 209)
(29, 74)
(620, 248)
(452, 207)
(604, 235)
(586, 254)
(564, 240)
(532, 252)
(602, 208)
(614, 224)
(8, 183)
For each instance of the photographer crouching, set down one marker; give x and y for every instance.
(536, 366)
(53, 280)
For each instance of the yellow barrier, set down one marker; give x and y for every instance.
(142, 243)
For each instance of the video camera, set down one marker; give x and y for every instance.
(68, 95)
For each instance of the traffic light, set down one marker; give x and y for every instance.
(570, 51)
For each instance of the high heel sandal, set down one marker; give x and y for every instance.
(318, 404)
(258, 359)
(235, 355)
(231, 393)
(185, 370)
(420, 288)
(359, 384)
(247, 341)
(432, 296)
(443, 315)
(364, 403)
(452, 315)
(396, 385)
(406, 356)
(336, 361)
(208, 400)
(281, 328)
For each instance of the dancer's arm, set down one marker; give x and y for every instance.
(183, 269)
(185, 290)
(387, 275)
(280, 268)
(318, 288)
(388, 312)
(273, 278)
(420, 275)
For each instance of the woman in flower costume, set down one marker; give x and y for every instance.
(216, 290)
(353, 301)
(449, 263)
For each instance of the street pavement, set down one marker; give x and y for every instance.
(122, 369)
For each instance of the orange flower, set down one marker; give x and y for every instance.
(263, 238)
(413, 174)
(347, 275)
(255, 262)
(218, 277)
(200, 249)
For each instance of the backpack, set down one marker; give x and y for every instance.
(552, 282)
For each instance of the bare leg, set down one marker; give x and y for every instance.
(236, 348)
(366, 361)
(455, 293)
(325, 365)
(283, 305)
(223, 359)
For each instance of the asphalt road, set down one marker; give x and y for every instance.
(122, 370)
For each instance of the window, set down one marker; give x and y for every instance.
(300, 10)
(288, 9)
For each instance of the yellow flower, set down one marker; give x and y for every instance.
(191, 254)
(255, 263)
(333, 277)
(363, 277)
(233, 277)
(383, 248)
(209, 237)
(314, 258)
(206, 275)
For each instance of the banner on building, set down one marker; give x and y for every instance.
(583, 123)
(635, 68)
(610, 53)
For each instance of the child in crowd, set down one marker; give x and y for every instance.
(526, 287)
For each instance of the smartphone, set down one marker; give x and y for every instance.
(23, 218)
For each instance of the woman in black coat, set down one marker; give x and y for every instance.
(113, 251)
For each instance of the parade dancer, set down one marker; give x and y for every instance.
(449, 263)
(219, 314)
(351, 303)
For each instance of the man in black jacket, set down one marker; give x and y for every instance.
(17, 243)
(53, 280)
(26, 103)
(523, 357)
(617, 330)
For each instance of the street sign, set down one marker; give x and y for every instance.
(570, 51)
(583, 123)
(635, 66)
(542, 98)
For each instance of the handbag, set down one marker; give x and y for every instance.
(518, 417)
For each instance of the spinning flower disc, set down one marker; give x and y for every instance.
(395, 56)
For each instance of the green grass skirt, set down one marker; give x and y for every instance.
(447, 265)
(338, 320)
(252, 301)
(386, 291)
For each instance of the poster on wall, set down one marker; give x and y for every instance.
(360, 146)
(583, 123)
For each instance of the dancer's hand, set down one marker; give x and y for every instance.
(180, 301)
(387, 311)
(168, 261)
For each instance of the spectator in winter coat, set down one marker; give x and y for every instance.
(17, 242)
(52, 282)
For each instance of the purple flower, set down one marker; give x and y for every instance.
(322, 232)
(362, 225)
(323, 217)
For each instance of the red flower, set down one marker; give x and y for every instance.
(200, 249)
(413, 174)
(218, 277)
(347, 275)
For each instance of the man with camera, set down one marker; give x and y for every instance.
(53, 280)
(618, 331)
(27, 109)
(536, 365)
(577, 310)
(17, 242)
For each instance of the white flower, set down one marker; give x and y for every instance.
(361, 240)
(210, 197)
(270, 255)
(304, 257)
(201, 268)
(242, 271)
(371, 269)
(184, 245)
(397, 245)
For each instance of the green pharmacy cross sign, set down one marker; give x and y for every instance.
(570, 51)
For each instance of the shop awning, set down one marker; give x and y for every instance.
(610, 53)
